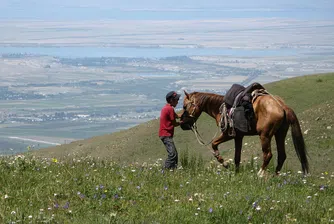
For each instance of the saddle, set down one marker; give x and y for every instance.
(237, 110)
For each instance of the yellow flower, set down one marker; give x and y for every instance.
(54, 160)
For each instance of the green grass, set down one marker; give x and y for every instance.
(90, 191)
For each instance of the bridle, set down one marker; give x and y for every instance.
(193, 111)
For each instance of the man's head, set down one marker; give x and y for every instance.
(172, 96)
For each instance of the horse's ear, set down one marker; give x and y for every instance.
(187, 95)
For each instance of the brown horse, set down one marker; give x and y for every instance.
(272, 118)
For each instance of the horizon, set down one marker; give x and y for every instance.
(162, 10)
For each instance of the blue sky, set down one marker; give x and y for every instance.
(162, 9)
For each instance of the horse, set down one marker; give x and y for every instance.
(272, 118)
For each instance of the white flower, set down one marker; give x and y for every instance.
(258, 208)
(6, 196)
(176, 200)
(30, 216)
(13, 213)
(308, 197)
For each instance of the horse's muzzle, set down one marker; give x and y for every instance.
(186, 126)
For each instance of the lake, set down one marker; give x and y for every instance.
(78, 52)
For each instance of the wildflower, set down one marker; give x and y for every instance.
(13, 213)
(210, 210)
(258, 208)
(176, 200)
(190, 199)
(254, 204)
(6, 196)
(196, 213)
(54, 160)
(30, 216)
(308, 197)
(67, 205)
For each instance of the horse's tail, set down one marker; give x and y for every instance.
(298, 139)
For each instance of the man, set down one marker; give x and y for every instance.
(166, 131)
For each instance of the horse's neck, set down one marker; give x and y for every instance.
(211, 106)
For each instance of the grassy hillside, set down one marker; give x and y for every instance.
(310, 96)
(80, 188)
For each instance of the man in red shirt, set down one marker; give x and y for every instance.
(166, 129)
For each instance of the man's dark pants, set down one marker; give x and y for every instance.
(172, 159)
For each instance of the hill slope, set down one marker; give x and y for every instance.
(311, 97)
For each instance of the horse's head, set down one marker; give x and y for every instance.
(191, 111)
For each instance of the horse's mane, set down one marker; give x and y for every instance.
(203, 99)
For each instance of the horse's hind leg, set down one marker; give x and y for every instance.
(266, 150)
(280, 144)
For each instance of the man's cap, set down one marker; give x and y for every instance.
(172, 95)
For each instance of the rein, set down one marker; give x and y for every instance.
(199, 137)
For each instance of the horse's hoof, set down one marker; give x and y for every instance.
(226, 165)
(261, 173)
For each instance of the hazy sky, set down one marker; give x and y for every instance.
(150, 9)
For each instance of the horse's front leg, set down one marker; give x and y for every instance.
(220, 139)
